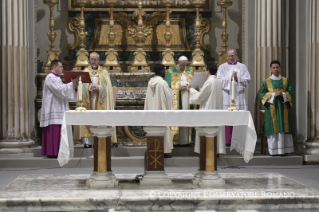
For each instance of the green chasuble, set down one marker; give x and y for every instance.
(278, 114)
(173, 79)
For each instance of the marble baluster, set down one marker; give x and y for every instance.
(15, 74)
(155, 174)
(102, 177)
(270, 42)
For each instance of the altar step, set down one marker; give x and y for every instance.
(133, 156)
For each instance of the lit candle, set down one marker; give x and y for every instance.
(233, 90)
(80, 89)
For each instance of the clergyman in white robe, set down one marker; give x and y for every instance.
(209, 98)
(160, 97)
(55, 101)
(226, 72)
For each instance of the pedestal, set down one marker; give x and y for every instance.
(207, 175)
(102, 176)
(155, 174)
(311, 152)
(16, 146)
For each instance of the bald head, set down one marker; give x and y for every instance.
(94, 59)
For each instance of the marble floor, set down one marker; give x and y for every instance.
(249, 192)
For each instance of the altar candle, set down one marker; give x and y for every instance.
(233, 89)
(80, 89)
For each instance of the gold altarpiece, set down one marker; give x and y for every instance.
(149, 31)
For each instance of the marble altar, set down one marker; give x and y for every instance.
(257, 192)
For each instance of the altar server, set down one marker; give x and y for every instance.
(227, 72)
(276, 95)
(160, 97)
(55, 101)
(210, 98)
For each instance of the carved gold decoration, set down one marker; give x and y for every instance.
(111, 62)
(168, 54)
(52, 54)
(74, 26)
(124, 42)
(130, 6)
(82, 54)
(204, 29)
(139, 32)
(223, 53)
(198, 64)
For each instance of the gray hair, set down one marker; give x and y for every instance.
(98, 56)
(235, 52)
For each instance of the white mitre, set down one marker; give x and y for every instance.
(182, 58)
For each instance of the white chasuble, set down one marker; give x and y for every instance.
(210, 98)
(160, 97)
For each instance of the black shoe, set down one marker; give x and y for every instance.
(52, 156)
(167, 156)
(228, 145)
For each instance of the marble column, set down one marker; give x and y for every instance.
(102, 178)
(15, 123)
(313, 67)
(312, 146)
(270, 43)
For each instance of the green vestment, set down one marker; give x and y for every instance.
(278, 114)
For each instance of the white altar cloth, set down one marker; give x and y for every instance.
(243, 140)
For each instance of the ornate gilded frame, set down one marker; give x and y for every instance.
(100, 8)
(182, 30)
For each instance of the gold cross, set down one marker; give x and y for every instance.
(155, 157)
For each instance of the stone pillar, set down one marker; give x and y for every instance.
(15, 76)
(312, 146)
(270, 43)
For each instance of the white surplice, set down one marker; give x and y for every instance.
(224, 74)
(210, 98)
(55, 100)
(160, 97)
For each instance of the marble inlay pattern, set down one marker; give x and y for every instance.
(261, 191)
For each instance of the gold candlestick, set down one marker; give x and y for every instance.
(111, 62)
(168, 54)
(223, 53)
(198, 64)
(82, 54)
(52, 54)
(233, 107)
(80, 104)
